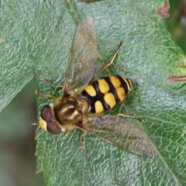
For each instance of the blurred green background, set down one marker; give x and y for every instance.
(17, 132)
(17, 144)
(176, 23)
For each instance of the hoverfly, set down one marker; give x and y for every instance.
(85, 98)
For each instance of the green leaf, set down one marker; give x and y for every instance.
(36, 39)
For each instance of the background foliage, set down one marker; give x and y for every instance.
(36, 41)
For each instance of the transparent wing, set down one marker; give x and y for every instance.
(121, 133)
(83, 57)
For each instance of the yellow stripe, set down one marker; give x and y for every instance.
(90, 90)
(130, 84)
(66, 108)
(110, 100)
(115, 81)
(98, 107)
(121, 93)
(73, 115)
(103, 86)
(127, 83)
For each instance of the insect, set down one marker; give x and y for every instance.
(84, 98)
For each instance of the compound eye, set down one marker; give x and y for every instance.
(53, 128)
(47, 122)
(46, 113)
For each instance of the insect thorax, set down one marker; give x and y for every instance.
(70, 111)
(106, 92)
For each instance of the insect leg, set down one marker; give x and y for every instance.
(66, 132)
(128, 116)
(109, 62)
(51, 84)
(82, 137)
(45, 95)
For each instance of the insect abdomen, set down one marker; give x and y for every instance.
(106, 92)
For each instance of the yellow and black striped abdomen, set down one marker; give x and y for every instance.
(106, 92)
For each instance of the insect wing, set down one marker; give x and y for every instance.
(121, 133)
(83, 57)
